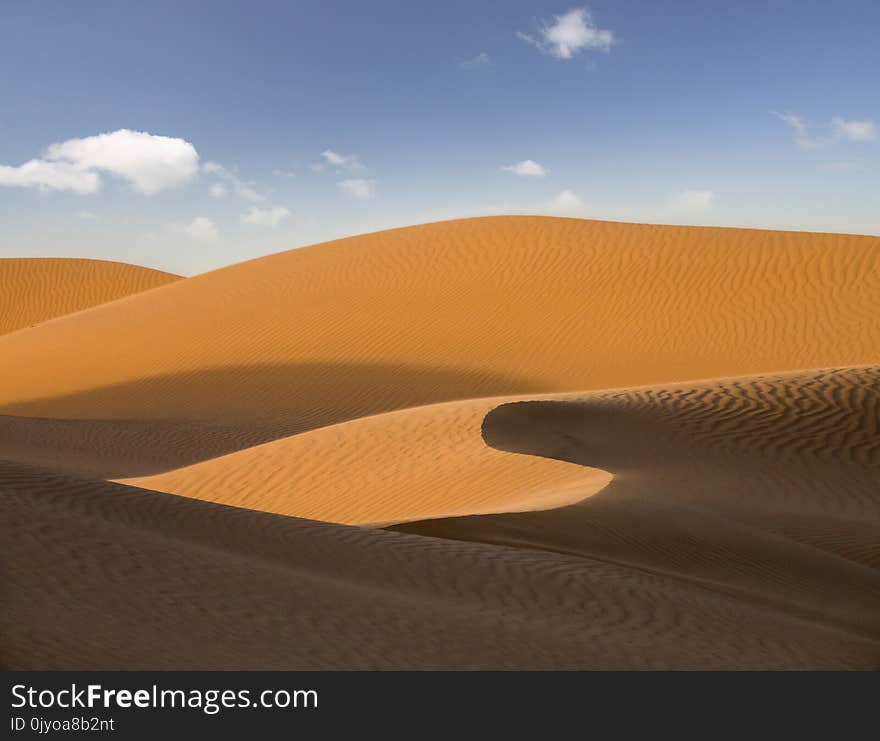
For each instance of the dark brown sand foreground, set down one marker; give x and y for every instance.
(591, 446)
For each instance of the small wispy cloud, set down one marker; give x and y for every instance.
(799, 127)
(526, 168)
(271, 216)
(841, 130)
(857, 131)
(202, 229)
(284, 173)
(231, 181)
(565, 203)
(339, 161)
(570, 34)
(481, 60)
(690, 201)
(358, 189)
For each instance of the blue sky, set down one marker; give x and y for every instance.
(288, 123)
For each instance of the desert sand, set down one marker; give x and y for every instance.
(36, 289)
(460, 309)
(411, 464)
(596, 445)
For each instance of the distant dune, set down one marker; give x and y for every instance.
(37, 289)
(470, 308)
(591, 445)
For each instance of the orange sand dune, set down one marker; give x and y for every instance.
(761, 488)
(411, 464)
(469, 308)
(37, 289)
(521, 393)
(102, 576)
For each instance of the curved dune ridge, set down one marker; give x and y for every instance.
(592, 445)
(797, 454)
(412, 464)
(765, 488)
(39, 288)
(739, 533)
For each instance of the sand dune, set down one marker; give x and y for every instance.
(471, 308)
(131, 579)
(604, 446)
(412, 464)
(37, 289)
(110, 449)
(763, 488)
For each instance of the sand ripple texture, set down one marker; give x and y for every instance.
(512, 442)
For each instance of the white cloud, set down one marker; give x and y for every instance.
(239, 187)
(799, 127)
(339, 161)
(841, 129)
(566, 203)
(149, 162)
(570, 34)
(526, 168)
(272, 216)
(50, 176)
(692, 200)
(202, 228)
(284, 173)
(248, 193)
(359, 189)
(481, 60)
(86, 215)
(857, 131)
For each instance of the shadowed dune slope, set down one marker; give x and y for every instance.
(108, 449)
(119, 448)
(765, 489)
(33, 290)
(411, 464)
(496, 306)
(195, 585)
